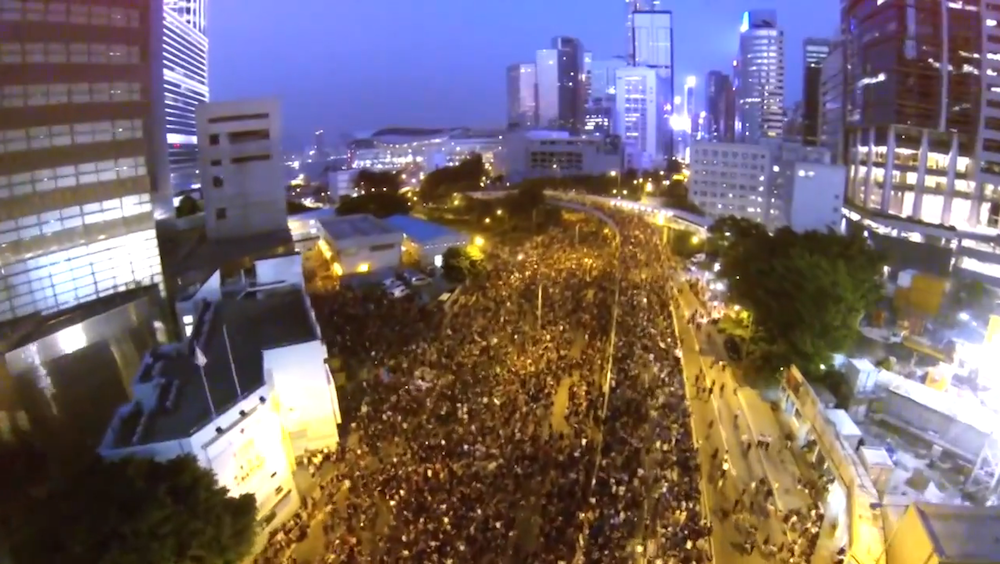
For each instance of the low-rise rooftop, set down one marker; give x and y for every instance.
(199, 261)
(962, 533)
(355, 226)
(171, 398)
(422, 231)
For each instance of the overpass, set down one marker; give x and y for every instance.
(662, 215)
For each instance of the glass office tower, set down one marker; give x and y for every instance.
(185, 77)
(760, 80)
(81, 147)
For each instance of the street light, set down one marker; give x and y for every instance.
(478, 241)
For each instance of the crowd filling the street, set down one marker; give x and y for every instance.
(487, 434)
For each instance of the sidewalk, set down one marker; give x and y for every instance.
(778, 462)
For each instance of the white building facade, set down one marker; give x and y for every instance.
(731, 179)
(642, 95)
(242, 182)
(539, 154)
(760, 77)
(815, 201)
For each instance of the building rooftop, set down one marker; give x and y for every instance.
(176, 404)
(962, 534)
(422, 231)
(354, 226)
(194, 265)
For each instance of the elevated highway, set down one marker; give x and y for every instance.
(673, 217)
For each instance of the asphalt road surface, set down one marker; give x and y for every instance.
(726, 434)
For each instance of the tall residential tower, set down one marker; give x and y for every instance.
(81, 151)
(760, 77)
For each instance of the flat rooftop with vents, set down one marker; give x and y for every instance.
(171, 400)
(361, 243)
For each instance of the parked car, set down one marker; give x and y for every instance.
(398, 291)
(415, 278)
(390, 283)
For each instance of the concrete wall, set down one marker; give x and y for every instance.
(309, 407)
(241, 197)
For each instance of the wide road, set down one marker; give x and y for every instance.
(727, 430)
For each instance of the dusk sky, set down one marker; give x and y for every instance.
(352, 66)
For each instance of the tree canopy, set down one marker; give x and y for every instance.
(805, 292)
(466, 176)
(461, 263)
(675, 195)
(137, 511)
(368, 179)
(379, 204)
(188, 206)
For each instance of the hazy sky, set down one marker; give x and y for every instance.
(353, 66)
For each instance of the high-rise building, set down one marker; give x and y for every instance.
(642, 97)
(83, 150)
(601, 102)
(632, 6)
(653, 38)
(760, 80)
(185, 78)
(718, 114)
(831, 117)
(815, 51)
(923, 111)
(561, 86)
(521, 103)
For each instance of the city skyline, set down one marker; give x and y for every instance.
(433, 52)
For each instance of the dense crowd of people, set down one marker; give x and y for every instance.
(541, 418)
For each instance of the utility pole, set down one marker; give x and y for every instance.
(577, 234)
(538, 313)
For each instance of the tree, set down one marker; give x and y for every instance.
(674, 166)
(368, 180)
(675, 195)
(805, 292)
(461, 263)
(467, 176)
(137, 511)
(379, 204)
(188, 206)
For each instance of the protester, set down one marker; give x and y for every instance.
(460, 453)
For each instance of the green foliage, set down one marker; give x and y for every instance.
(137, 511)
(684, 244)
(675, 195)
(805, 293)
(674, 166)
(188, 206)
(442, 183)
(379, 204)
(295, 208)
(462, 263)
(367, 179)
